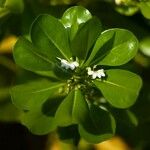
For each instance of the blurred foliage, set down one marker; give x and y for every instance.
(16, 17)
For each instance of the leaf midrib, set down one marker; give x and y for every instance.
(55, 44)
(43, 58)
(118, 85)
(110, 51)
(49, 88)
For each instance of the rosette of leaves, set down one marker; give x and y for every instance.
(69, 95)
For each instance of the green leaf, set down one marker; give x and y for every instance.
(37, 122)
(74, 17)
(101, 49)
(123, 48)
(73, 109)
(62, 73)
(49, 74)
(50, 37)
(100, 121)
(94, 139)
(29, 95)
(121, 88)
(85, 38)
(50, 106)
(99, 126)
(145, 9)
(26, 56)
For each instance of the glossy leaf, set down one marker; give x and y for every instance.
(26, 56)
(101, 48)
(99, 126)
(37, 122)
(121, 88)
(29, 95)
(123, 48)
(73, 109)
(145, 9)
(85, 38)
(50, 37)
(74, 17)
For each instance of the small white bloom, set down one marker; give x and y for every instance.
(96, 74)
(68, 65)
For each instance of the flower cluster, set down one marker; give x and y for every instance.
(68, 65)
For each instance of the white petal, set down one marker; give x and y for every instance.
(76, 64)
(94, 75)
(90, 72)
(99, 75)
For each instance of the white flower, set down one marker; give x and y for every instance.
(95, 74)
(68, 65)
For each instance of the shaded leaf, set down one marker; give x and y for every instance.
(50, 106)
(73, 109)
(85, 38)
(69, 134)
(99, 126)
(91, 138)
(100, 120)
(62, 73)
